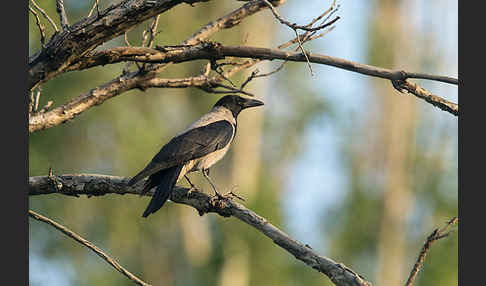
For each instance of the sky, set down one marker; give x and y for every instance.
(305, 198)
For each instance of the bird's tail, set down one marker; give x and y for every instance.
(165, 181)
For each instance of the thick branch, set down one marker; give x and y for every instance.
(87, 34)
(211, 50)
(133, 80)
(98, 185)
(214, 51)
(88, 244)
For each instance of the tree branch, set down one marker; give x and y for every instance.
(98, 185)
(434, 236)
(128, 81)
(216, 51)
(88, 33)
(62, 14)
(88, 244)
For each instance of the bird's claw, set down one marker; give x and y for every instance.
(233, 195)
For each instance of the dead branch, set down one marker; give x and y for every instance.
(214, 51)
(88, 244)
(95, 5)
(45, 15)
(128, 81)
(62, 14)
(307, 27)
(99, 185)
(88, 33)
(42, 30)
(434, 236)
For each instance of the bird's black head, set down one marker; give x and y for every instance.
(237, 103)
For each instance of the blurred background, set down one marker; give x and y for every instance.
(338, 160)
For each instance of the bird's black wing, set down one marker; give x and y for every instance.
(190, 145)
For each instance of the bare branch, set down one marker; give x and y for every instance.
(213, 51)
(37, 99)
(42, 30)
(45, 15)
(296, 27)
(422, 93)
(90, 32)
(151, 32)
(62, 14)
(88, 244)
(95, 5)
(98, 185)
(228, 21)
(434, 236)
(128, 81)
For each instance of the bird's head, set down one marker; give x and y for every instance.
(237, 103)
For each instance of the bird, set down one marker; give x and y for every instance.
(196, 148)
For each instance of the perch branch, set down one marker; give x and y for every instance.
(98, 185)
(88, 244)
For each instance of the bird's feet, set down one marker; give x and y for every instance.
(233, 194)
(193, 187)
(229, 195)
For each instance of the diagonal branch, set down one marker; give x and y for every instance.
(42, 30)
(45, 15)
(434, 236)
(98, 185)
(62, 14)
(88, 244)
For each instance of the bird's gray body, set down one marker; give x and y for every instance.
(198, 147)
(217, 113)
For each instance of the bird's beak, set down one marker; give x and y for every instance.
(252, 103)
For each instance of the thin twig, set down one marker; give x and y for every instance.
(294, 26)
(434, 236)
(31, 102)
(37, 99)
(95, 5)
(42, 30)
(62, 14)
(88, 244)
(99, 185)
(152, 31)
(303, 52)
(45, 15)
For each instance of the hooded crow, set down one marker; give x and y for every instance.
(197, 148)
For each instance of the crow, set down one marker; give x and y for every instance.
(197, 148)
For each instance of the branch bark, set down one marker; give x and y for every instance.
(434, 236)
(212, 50)
(133, 80)
(88, 33)
(99, 185)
